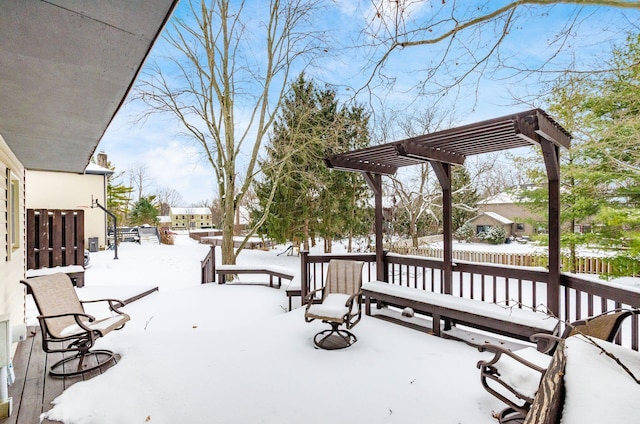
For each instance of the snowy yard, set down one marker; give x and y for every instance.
(197, 353)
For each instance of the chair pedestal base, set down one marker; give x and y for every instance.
(79, 363)
(334, 338)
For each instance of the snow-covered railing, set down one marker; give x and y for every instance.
(508, 285)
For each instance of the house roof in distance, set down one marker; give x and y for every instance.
(190, 211)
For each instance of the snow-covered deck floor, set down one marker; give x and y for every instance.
(232, 354)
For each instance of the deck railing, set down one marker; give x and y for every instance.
(208, 267)
(509, 286)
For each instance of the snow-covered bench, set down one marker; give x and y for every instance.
(271, 271)
(512, 322)
(75, 272)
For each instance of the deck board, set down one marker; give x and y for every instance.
(34, 389)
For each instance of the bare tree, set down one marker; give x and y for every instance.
(463, 42)
(168, 198)
(225, 81)
(139, 177)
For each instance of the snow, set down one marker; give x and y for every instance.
(500, 313)
(598, 390)
(211, 353)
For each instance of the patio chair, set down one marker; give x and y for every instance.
(514, 377)
(340, 303)
(67, 329)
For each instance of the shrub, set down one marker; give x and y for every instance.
(496, 235)
(466, 232)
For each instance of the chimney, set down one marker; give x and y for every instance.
(102, 159)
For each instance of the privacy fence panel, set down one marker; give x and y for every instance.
(55, 237)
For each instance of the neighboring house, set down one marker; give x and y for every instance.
(65, 72)
(508, 206)
(483, 222)
(191, 218)
(65, 190)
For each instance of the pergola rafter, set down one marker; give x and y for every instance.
(444, 149)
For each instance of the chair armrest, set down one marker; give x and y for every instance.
(498, 351)
(349, 301)
(76, 316)
(551, 341)
(309, 298)
(114, 304)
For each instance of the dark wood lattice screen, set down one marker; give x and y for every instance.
(54, 238)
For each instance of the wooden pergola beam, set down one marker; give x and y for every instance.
(345, 164)
(419, 151)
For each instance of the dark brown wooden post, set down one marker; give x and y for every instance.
(304, 275)
(551, 155)
(443, 172)
(375, 183)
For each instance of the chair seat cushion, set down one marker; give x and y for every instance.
(522, 378)
(103, 326)
(332, 308)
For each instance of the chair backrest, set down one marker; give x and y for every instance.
(54, 294)
(603, 327)
(343, 276)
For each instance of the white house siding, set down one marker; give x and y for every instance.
(12, 261)
(63, 190)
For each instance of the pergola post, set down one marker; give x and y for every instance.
(443, 172)
(375, 183)
(551, 154)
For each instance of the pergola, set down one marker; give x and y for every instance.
(442, 150)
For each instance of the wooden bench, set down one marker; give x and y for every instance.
(279, 273)
(512, 322)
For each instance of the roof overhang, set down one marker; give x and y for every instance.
(454, 145)
(67, 67)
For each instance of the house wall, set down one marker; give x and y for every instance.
(485, 220)
(181, 220)
(518, 214)
(62, 190)
(12, 260)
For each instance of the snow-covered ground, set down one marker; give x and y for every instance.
(213, 353)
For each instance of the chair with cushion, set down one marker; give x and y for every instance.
(66, 328)
(339, 303)
(514, 377)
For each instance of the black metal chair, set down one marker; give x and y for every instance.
(67, 329)
(340, 303)
(513, 377)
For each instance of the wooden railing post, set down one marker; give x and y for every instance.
(304, 274)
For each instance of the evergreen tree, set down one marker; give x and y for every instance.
(307, 199)
(464, 197)
(144, 212)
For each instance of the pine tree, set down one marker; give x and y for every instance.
(304, 198)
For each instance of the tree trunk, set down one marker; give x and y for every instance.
(306, 235)
(228, 255)
(414, 233)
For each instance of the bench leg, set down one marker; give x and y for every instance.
(367, 305)
(436, 324)
(222, 278)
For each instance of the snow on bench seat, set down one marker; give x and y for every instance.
(507, 321)
(271, 271)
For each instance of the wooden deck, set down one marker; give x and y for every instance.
(33, 389)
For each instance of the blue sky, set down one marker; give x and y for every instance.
(173, 161)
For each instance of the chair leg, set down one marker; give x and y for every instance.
(334, 338)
